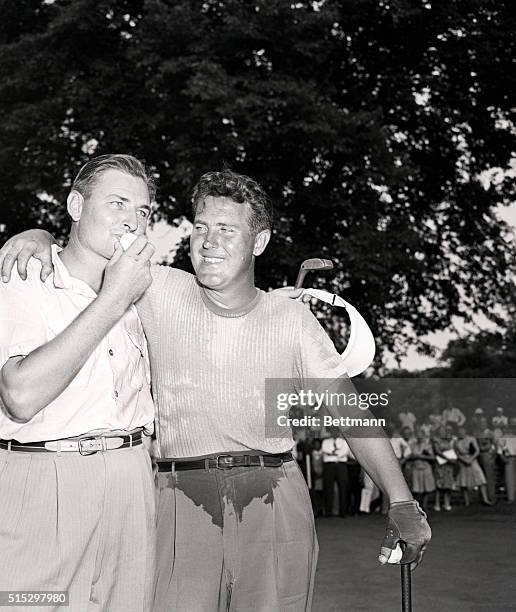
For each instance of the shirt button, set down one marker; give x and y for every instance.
(111, 352)
(116, 393)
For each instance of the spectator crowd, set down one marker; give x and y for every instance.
(446, 459)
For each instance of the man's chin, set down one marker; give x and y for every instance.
(210, 281)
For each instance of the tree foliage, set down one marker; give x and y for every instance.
(369, 123)
(489, 354)
(486, 354)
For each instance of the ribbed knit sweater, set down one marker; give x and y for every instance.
(209, 365)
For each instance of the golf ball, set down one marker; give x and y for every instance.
(126, 240)
(396, 555)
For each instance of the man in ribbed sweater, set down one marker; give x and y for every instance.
(235, 525)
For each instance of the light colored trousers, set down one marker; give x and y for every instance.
(83, 524)
(238, 539)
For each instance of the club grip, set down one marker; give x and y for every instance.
(300, 278)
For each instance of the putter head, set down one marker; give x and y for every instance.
(311, 264)
(317, 264)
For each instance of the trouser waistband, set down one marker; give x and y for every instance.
(225, 461)
(88, 445)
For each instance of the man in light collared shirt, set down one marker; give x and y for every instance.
(400, 446)
(453, 415)
(407, 419)
(76, 495)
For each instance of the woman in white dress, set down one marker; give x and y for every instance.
(470, 472)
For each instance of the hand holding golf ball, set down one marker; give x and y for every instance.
(127, 274)
(406, 525)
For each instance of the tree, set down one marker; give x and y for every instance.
(477, 372)
(488, 354)
(368, 122)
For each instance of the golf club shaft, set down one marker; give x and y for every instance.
(406, 588)
(300, 278)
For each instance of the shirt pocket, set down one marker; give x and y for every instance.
(138, 369)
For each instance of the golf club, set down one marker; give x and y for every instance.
(311, 264)
(326, 264)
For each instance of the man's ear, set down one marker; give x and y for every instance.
(261, 241)
(74, 204)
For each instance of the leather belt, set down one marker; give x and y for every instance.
(224, 462)
(89, 445)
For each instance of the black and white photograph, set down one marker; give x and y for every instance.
(257, 305)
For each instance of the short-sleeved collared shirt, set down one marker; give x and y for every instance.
(335, 450)
(407, 419)
(400, 447)
(507, 445)
(454, 415)
(110, 392)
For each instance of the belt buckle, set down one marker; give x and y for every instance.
(225, 462)
(90, 446)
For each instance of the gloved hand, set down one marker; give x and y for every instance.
(407, 525)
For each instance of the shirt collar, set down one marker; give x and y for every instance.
(64, 280)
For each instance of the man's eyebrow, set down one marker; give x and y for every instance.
(124, 199)
(117, 195)
(218, 224)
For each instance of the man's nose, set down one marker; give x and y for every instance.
(131, 220)
(210, 240)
